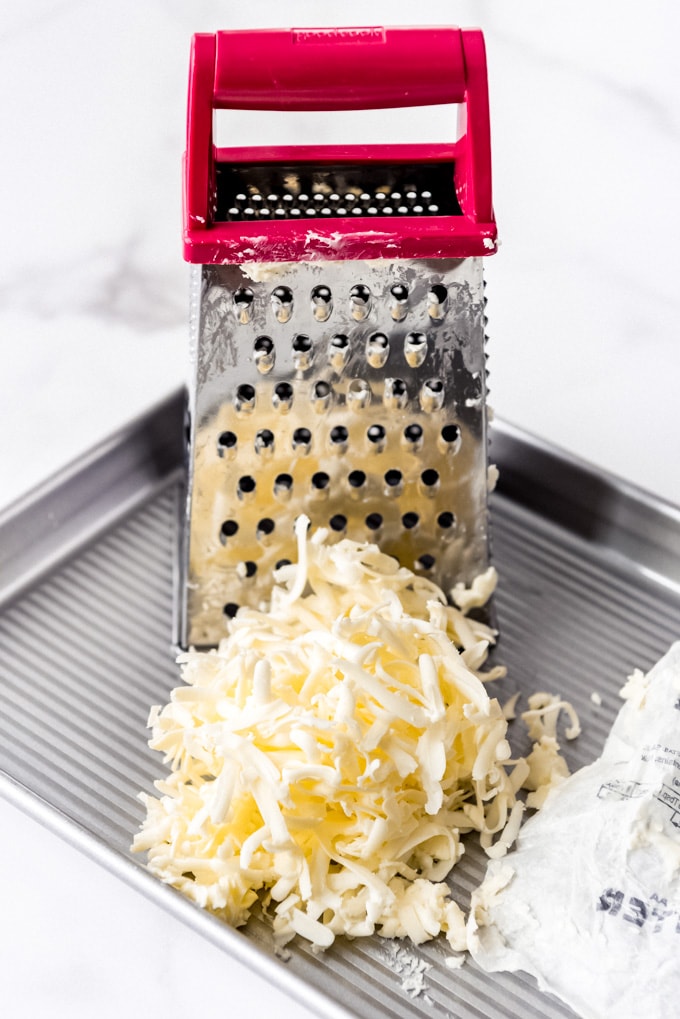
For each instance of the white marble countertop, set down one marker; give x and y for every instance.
(584, 319)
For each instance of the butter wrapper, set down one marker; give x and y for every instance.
(589, 901)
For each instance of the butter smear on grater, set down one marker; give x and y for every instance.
(328, 756)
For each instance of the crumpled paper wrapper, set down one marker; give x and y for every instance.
(589, 901)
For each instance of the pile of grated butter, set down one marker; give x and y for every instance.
(328, 756)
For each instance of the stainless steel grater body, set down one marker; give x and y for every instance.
(353, 392)
(338, 315)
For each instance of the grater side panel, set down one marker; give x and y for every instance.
(351, 391)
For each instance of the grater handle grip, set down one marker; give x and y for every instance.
(339, 68)
(334, 69)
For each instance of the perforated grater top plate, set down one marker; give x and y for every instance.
(273, 192)
(352, 392)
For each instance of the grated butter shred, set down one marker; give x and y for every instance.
(327, 757)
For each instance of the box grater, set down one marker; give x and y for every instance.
(337, 314)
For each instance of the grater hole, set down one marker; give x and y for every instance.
(226, 443)
(356, 479)
(338, 350)
(246, 486)
(322, 395)
(281, 563)
(359, 393)
(264, 441)
(374, 521)
(302, 352)
(282, 396)
(394, 482)
(399, 301)
(228, 530)
(359, 302)
(281, 301)
(432, 395)
(425, 563)
(395, 395)
(410, 521)
(413, 437)
(243, 300)
(449, 439)
(436, 300)
(265, 528)
(322, 303)
(263, 349)
(320, 481)
(446, 520)
(415, 349)
(302, 440)
(244, 400)
(429, 481)
(338, 438)
(247, 569)
(377, 350)
(338, 523)
(376, 438)
(230, 609)
(283, 486)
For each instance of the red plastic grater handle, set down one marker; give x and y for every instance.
(331, 69)
(338, 68)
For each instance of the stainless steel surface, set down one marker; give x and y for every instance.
(590, 588)
(354, 392)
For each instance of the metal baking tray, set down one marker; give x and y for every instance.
(590, 589)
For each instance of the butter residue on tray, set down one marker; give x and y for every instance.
(589, 900)
(327, 758)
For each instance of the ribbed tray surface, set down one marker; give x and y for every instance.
(86, 651)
